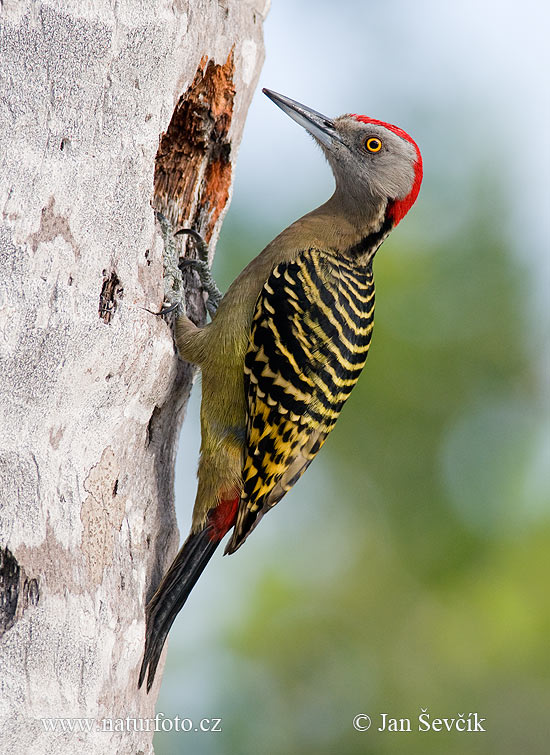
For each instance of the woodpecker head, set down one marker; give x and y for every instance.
(375, 165)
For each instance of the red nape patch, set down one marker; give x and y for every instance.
(222, 518)
(398, 208)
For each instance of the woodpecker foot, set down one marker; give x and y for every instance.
(202, 267)
(175, 263)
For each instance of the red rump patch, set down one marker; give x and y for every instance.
(398, 208)
(222, 518)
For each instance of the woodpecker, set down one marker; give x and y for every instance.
(285, 346)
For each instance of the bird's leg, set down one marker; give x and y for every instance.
(175, 262)
(203, 269)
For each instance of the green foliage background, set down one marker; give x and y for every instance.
(409, 568)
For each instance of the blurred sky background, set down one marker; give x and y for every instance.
(408, 569)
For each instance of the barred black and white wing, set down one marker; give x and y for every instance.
(309, 340)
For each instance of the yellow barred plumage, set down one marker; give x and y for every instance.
(309, 340)
(308, 329)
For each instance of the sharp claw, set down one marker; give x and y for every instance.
(163, 311)
(166, 310)
(202, 246)
(191, 231)
(198, 265)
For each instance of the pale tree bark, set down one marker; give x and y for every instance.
(91, 393)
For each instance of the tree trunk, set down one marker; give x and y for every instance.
(92, 394)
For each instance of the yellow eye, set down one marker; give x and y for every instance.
(373, 144)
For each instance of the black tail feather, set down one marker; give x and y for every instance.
(171, 595)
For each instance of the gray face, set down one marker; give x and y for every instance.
(364, 179)
(388, 173)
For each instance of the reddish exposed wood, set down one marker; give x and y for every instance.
(193, 168)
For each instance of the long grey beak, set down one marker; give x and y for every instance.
(319, 126)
